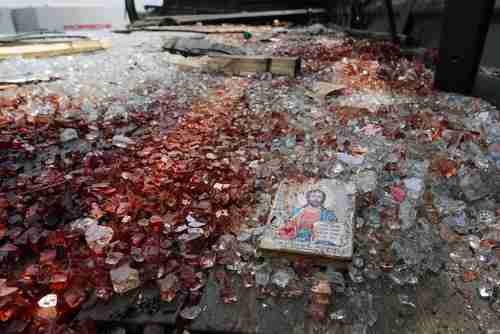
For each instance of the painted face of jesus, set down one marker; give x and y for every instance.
(315, 198)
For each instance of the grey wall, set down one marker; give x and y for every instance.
(6, 25)
(57, 18)
(25, 20)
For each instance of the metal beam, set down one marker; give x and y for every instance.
(463, 34)
(131, 10)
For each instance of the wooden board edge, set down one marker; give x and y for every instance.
(287, 66)
(47, 50)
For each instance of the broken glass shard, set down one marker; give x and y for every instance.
(281, 278)
(191, 313)
(262, 275)
(122, 141)
(168, 287)
(47, 307)
(68, 135)
(124, 278)
(98, 237)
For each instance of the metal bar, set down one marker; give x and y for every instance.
(463, 34)
(392, 21)
(131, 10)
(186, 19)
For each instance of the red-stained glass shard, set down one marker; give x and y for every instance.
(6, 290)
(59, 280)
(47, 307)
(74, 298)
(168, 287)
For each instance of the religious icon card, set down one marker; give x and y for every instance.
(312, 218)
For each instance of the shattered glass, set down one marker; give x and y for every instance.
(130, 170)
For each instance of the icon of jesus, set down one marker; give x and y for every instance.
(301, 226)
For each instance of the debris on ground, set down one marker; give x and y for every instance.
(131, 172)
(26, 80)
(199, 47)
(490, 71)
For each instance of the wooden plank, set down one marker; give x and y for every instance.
(50, 50)
(6, 87)
(238, 65)
(36, 38)
(289, 66)
(285, 66)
